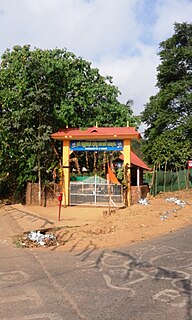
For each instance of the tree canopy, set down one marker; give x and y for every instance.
(40, 92)
(168, 115)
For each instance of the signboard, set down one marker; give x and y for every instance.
(189, 164)
(104, 145)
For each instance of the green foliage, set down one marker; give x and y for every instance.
(168, 115)
(40, 92)
(120, 175)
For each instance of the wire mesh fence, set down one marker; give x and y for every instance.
(171, 181)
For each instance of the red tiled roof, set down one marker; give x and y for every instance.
(136, 161)
(115, 132)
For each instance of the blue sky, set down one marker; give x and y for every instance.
(120, 37)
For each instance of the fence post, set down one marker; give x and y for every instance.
(179, 187)
(95, 190)
(165, 173)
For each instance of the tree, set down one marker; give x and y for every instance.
(168, 115)
(41, 91)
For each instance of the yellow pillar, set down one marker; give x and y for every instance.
(127, 152)
(66, 172)
(127, 160)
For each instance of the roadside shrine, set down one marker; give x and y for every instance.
(94, 139)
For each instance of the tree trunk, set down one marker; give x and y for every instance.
(185, 178)
(109, 194)
(39, 166)
(165, 173)
(95, 162)
(179, 187)
(39, 180)
(152, 183)
(127, 186)
(87, 160)
(171, 180)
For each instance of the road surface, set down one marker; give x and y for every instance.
(149, 280)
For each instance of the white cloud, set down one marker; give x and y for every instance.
(120, 37)
(168, 12)
(87, 28)
(135, 76)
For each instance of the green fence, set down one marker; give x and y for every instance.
(170, 181)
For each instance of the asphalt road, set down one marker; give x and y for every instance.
(146, 281)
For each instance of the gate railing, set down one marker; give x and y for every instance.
(96, 194)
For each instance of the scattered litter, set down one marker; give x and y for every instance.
(40, 238)
(144, 202)
(178, 202)
(171, 199)
(37, 238)
(166, 214)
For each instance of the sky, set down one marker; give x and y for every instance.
(119, 37)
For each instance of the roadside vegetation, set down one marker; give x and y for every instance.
(168, 114)
(44, 90)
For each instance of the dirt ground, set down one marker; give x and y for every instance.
(89, 228)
